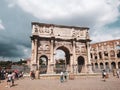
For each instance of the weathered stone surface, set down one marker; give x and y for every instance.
(47, 38)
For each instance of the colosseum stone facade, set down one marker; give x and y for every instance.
(105, 55)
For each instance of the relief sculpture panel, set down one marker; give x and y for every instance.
(44, 45)
(42, 30)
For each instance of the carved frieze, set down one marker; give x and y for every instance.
(44, 45)
(78, 33)
(67, 33)
(42, 30)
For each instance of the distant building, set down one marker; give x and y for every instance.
(105, 55)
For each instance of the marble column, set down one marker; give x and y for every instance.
(103, 57)
(109, 57)
(115, 54)
(34, 56)
(73, 58)
(115, 51)
(98, 58)
(110, 67)
(52, 62)
(93, 66)
(89, 66)
(99, 66)
(51, 51)
(49, 68)
(104, 66)
(116, 65)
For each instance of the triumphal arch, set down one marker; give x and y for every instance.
(74, 41)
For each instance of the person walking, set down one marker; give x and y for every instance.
(65, 76)
(13, 78)
(61, 77)
(117, 73)
(104, 75)
(0, 76)
(32, 75)
(9, 78)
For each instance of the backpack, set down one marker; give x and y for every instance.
(104, 73)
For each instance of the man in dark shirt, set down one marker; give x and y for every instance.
(0, 76)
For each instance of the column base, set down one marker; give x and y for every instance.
(34, 67)
(89, 69)
(50, 69)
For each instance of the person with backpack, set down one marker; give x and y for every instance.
(104, 73)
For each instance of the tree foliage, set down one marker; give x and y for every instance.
(5, 64)
(8, 64)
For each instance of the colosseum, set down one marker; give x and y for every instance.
(105, 55)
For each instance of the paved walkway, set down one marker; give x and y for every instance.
(81, 83)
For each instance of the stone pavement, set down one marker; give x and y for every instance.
(81, 83)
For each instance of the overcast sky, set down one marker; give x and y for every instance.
(101, 16)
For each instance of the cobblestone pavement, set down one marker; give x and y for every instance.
(81, 83)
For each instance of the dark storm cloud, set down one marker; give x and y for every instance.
(15, 38)
(9, 50)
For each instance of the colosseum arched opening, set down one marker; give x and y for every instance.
(105, 55)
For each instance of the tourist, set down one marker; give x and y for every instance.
(117, 73)
(9, 78)
(65, 76)
(32, 75)
(61, 77)
(16, 75)
(0, 76)
(13, 78)
(21, 74)
(104, 75)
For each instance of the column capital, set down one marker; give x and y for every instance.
(52, 41)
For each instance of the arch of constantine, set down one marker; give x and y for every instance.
(74, 41)
(105, 55)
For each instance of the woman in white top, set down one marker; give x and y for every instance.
(9, 78)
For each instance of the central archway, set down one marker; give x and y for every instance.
(62, 61)
(81, 63)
